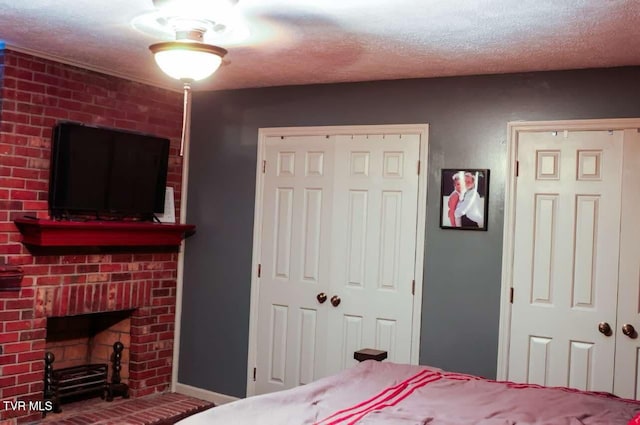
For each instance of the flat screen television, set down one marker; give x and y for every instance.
(106, 172)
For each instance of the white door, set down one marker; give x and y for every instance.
(566, 249)
(374, 233)
(627, 363)
(339, 219)
(295, 251)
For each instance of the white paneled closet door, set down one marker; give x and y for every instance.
(295, 255)
(575, 277)
(337, 254)
(374, 228)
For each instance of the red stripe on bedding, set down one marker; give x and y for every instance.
(384, 405)
(461, 377)
(382, 400)
(381, 395)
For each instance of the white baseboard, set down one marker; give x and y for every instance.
(207, 395)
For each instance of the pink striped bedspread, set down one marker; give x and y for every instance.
(374, 393)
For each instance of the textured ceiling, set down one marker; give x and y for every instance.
(323, 41)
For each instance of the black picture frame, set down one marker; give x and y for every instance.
(458, 184)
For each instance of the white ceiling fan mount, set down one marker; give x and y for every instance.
(207, 21)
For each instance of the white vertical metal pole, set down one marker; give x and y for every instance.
(184, 153)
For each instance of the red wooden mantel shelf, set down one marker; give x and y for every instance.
(39, 232)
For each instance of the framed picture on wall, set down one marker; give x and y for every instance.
(464, 199)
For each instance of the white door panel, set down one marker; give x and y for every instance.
(566, 251)
(295, 259)
(374, 253)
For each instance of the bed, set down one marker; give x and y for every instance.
(373, 393)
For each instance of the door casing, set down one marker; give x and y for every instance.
(263, 133)
(513, 129)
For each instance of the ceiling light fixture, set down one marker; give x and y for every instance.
(187, 59)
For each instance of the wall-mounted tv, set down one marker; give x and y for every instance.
(106, 172)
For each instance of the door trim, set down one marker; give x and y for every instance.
(513, 130)
(263, 133)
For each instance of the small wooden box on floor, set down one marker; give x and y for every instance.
(369, 354)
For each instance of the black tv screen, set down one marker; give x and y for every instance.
(106, 172)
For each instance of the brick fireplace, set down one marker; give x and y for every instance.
(35, 93)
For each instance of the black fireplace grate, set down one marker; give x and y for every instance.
(72, 382)
(85, 381)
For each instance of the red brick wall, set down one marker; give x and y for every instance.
(36, 93)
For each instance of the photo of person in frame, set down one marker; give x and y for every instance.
(464, 199)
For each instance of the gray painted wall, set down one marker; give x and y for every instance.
(468, 129)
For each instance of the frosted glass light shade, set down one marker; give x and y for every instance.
(186, 60)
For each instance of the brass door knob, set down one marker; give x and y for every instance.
(604, 328)
(629, 331)
(321, 297)
(335, 301)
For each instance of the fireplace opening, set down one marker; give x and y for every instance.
(87, 356)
